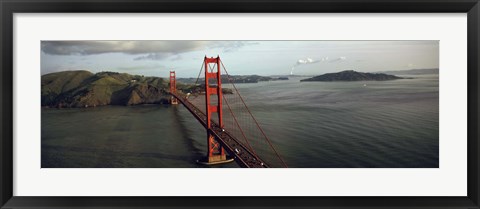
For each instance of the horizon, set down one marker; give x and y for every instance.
(286, 75)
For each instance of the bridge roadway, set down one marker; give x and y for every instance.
(242, 155)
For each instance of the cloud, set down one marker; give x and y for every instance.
(141, 67)
(154, 56)
(410, 65)
(312, 61)
(231, 46)
(154, 50)
(307, 61)
(127, 47)
(177, 57)
(340, 59)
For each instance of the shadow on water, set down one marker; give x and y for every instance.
(193, 133)
(185, 135)
(145, 136)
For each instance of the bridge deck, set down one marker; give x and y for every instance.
(242, 155)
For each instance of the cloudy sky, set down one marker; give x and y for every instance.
(156, 58)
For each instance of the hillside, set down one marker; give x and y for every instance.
(85, 89)
(350, 75)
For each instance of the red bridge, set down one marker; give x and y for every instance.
(231, 128)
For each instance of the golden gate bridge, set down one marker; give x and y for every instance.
(230, 125)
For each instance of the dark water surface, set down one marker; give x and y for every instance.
(312, 124)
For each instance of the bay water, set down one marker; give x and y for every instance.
(367, 124)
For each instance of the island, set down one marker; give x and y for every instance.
(245, 79)
(350, 75)
(283, 78)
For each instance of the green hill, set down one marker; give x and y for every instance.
(85, 89)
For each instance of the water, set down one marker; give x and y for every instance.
(373, 124)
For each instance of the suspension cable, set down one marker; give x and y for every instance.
(255, 120)
(238, 125)
(200, 73)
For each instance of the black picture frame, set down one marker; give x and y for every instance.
(9, 7)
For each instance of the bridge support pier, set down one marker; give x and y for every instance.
(173, 87)
(213, 87)
(215, 160)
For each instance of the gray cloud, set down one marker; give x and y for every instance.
(153, 56)
(153, 50)
(231, 46)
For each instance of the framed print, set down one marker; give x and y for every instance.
(265, 104)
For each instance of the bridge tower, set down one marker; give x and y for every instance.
(213, 87)
(173, 87)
